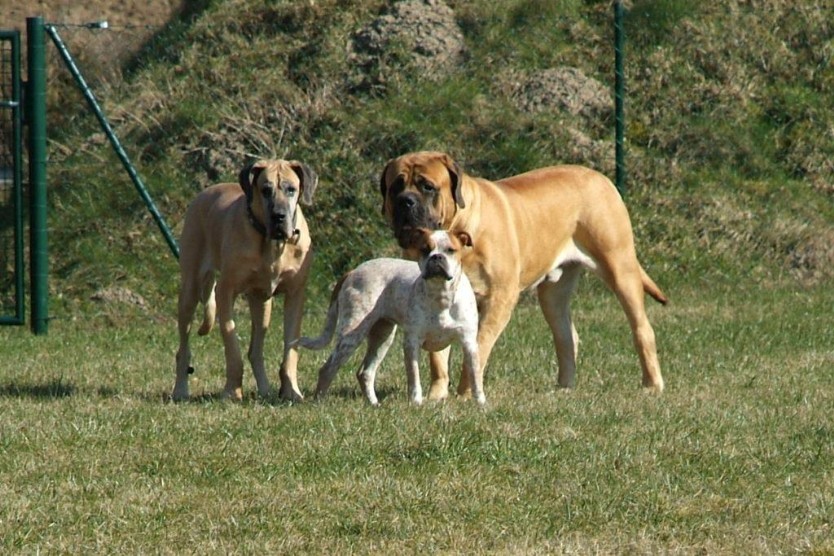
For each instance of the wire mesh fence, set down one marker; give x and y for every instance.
(10, 198)
(721, 66)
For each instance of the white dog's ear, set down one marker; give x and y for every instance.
(464, 238)
(309, 180)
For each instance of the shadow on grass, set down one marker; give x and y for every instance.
(354, 393)
(54, 389)
(273, 399)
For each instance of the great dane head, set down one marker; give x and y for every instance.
(420, 190)
(273, 190)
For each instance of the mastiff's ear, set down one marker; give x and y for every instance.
(309, 180)
(248, 175)
(456, 176)
(383, 187)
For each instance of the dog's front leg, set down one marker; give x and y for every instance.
(494, 314)
(411, 352)
(225, 298)
(439, 373)
(472, 368)
(261, 311)
(293, 310)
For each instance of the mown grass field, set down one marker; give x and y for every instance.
(730, 192)
(735, 457)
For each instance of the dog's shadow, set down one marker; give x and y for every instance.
(58, 388)
(54, 389)
(354, 393)
(347, 393)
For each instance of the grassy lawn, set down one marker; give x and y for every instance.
(729, 180)
(735, 457)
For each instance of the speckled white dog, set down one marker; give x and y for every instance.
(431, 299)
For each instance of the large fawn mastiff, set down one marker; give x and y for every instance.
(247, 238)
(535, 230)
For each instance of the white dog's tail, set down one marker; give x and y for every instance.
(326, 335)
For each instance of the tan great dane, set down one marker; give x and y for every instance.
(535, 230)
(247, 238)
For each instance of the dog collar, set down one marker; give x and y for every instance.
(254, 221)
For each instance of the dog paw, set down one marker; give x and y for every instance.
(291, 395)
(655, 389)
(180, 393)
(438, 393)
(234, 394)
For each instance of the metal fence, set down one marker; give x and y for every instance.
(11, 197)
(106, 53)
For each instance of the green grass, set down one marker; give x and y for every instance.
(729, 188)
(734, 457)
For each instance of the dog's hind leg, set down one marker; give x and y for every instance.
(261, 311)
(234, 360)
(626, 281)
(380, 339)
(345, 346)
(186, 306)
(554, 299)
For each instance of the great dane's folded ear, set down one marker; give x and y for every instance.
(309, 180)
(456, 175)
(248, 175)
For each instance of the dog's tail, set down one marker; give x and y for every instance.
(326, 335)
(652, 289)
(209, 314)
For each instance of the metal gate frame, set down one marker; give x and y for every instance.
(12, 104)
(28, 106)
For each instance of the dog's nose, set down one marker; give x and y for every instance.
(407, 201)
(279, 216)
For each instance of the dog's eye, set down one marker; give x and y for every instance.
(426, 187)
(291, 191)
(451, 250)
(266, 189)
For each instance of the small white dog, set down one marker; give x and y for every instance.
(431, 299)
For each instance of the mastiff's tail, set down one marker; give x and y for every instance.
(652, 289)
(326, 335)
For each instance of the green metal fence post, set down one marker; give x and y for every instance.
(36, 119)
(619, 97)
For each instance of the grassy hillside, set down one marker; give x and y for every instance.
(730, 135)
